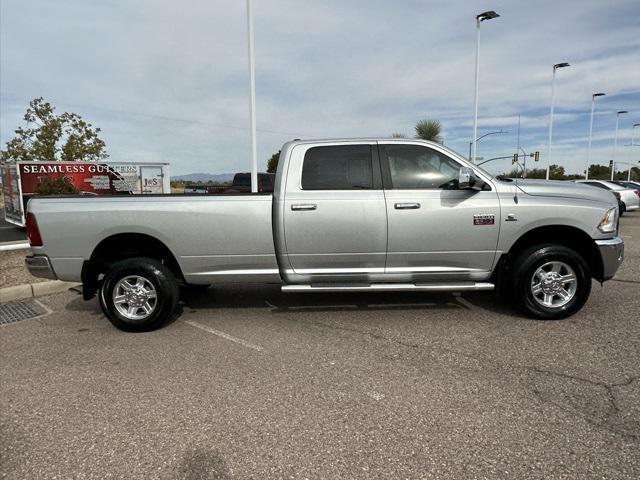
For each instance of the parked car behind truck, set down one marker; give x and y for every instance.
(629, 197)
(345, 215)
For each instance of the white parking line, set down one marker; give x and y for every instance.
(226, 336)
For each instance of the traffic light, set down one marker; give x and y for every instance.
(536, 156)
(610, 163)
(515, 159)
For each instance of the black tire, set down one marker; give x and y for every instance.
(529, 261)
(162, 280)
(622, 208)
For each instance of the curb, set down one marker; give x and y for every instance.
(19, 245)
(29, 290)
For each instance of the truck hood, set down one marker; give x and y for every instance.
(558, 188)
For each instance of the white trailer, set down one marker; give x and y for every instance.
(22, 180)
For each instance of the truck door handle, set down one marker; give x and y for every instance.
(304, 206)
(406, 206)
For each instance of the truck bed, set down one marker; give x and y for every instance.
(214, 238)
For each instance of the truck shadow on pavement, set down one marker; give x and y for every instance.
(230, 297)
(272, 299)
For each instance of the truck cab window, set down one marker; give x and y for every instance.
(340, 167)
(418, 167)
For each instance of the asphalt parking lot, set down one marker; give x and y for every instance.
(253, 383)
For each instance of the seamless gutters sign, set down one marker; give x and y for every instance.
(98, 178)
(89, 178)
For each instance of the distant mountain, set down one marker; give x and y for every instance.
(205, 177)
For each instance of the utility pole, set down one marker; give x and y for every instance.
(479, 19)
(252, 100)
(593, 107)
(615, 141)
(553, 83)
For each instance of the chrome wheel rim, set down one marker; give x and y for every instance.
(554, 284)
(135, 297)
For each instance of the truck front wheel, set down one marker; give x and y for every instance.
(551, 281)
(139, 294)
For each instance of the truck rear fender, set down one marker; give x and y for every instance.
(120, 247)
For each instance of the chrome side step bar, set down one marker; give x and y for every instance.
(392, 287)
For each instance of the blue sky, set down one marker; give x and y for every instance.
(168, 81)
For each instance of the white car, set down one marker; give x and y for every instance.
(630, 198)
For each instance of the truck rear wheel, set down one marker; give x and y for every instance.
(139, 294)
(551, 281)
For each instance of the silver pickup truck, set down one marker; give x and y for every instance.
(346, 215)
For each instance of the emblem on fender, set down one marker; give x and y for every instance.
(484, 219)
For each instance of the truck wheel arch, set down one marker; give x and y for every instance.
(565, 235)
(122, 246)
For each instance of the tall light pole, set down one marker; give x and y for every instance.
(615, 141)
(633, 129)
(252, 100)
(593, 106)
(485, 135)
(553, 83)
(479, 19)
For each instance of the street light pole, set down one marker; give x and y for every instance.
(479, 18)
(553, 82)
(615, 141)
(252, 100)
(633, 129)
(593, 106)
(485, 135)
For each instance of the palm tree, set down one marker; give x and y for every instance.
(429, 130)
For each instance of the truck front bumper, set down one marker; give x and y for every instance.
(612, 253)
(40, 266)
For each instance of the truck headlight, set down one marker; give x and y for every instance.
(609, 222)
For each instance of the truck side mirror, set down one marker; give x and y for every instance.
(466, 178)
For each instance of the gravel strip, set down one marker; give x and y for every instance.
(13, 271)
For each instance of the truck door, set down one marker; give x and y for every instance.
(436, 231)
(335, 223)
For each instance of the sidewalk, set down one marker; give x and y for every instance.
(13, 270)
(17, 283)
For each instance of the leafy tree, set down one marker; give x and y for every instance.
(51, 137)
(516, 172)
(574, 176)
(398, 135)
(599, 172)
(536, 173)
(272, 164)
(556, 172)
(429, 130)
(624, 174)
(56, 186)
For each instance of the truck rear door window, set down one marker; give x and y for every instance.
(339, 167)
